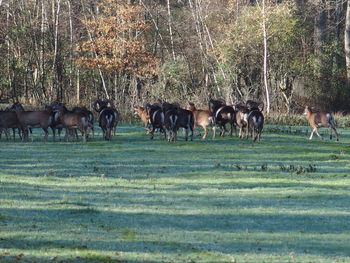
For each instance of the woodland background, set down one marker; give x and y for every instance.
(287, 53)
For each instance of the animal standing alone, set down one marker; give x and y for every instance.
(318, 119)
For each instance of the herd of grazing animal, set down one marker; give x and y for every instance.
(57, 117)
(167, 118)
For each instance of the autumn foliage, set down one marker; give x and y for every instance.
(289, 52)
(116, 41)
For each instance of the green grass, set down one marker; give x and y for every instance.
(284, 199)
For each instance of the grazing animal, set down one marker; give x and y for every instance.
(186, 121)
(252, 104)
(249, 119)
(171, 120)
(72, 121)
(143, 114)
(89, 115)
(202, 118)
(56, 123)
(156, 116)
(318, 119)
(5, 131)
(32, 119)
(108, 117)
(8, 119)
(11, 109)
(222, 115)
(242, 113)
(175, 117)
(170, 124)
(255, 123)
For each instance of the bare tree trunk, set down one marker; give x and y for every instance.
(265, 66)
(266, 85)
(209, 41)
(7, 41)
(320, 42)
(54, 63)
(339, 8)
(42, 47)
(195, 12)
(115, 84)
(99, 70)
(71, 52)
(170, 30)
(198, 30)
(78, 87)
(347, 41)
(155, 22)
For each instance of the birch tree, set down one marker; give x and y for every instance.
(171, 30)
(347, 41)
(265, 64)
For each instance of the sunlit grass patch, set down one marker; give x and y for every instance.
(284, 199)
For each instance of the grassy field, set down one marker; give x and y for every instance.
(284, 199)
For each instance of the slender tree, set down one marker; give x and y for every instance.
(262, 7)
(171, 30)
(320, 40)
(347, 41)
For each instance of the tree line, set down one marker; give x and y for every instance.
(286, 53)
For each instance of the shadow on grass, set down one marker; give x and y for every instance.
(136, 195)
(187, 194)
(268, 233)
(139, 157)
